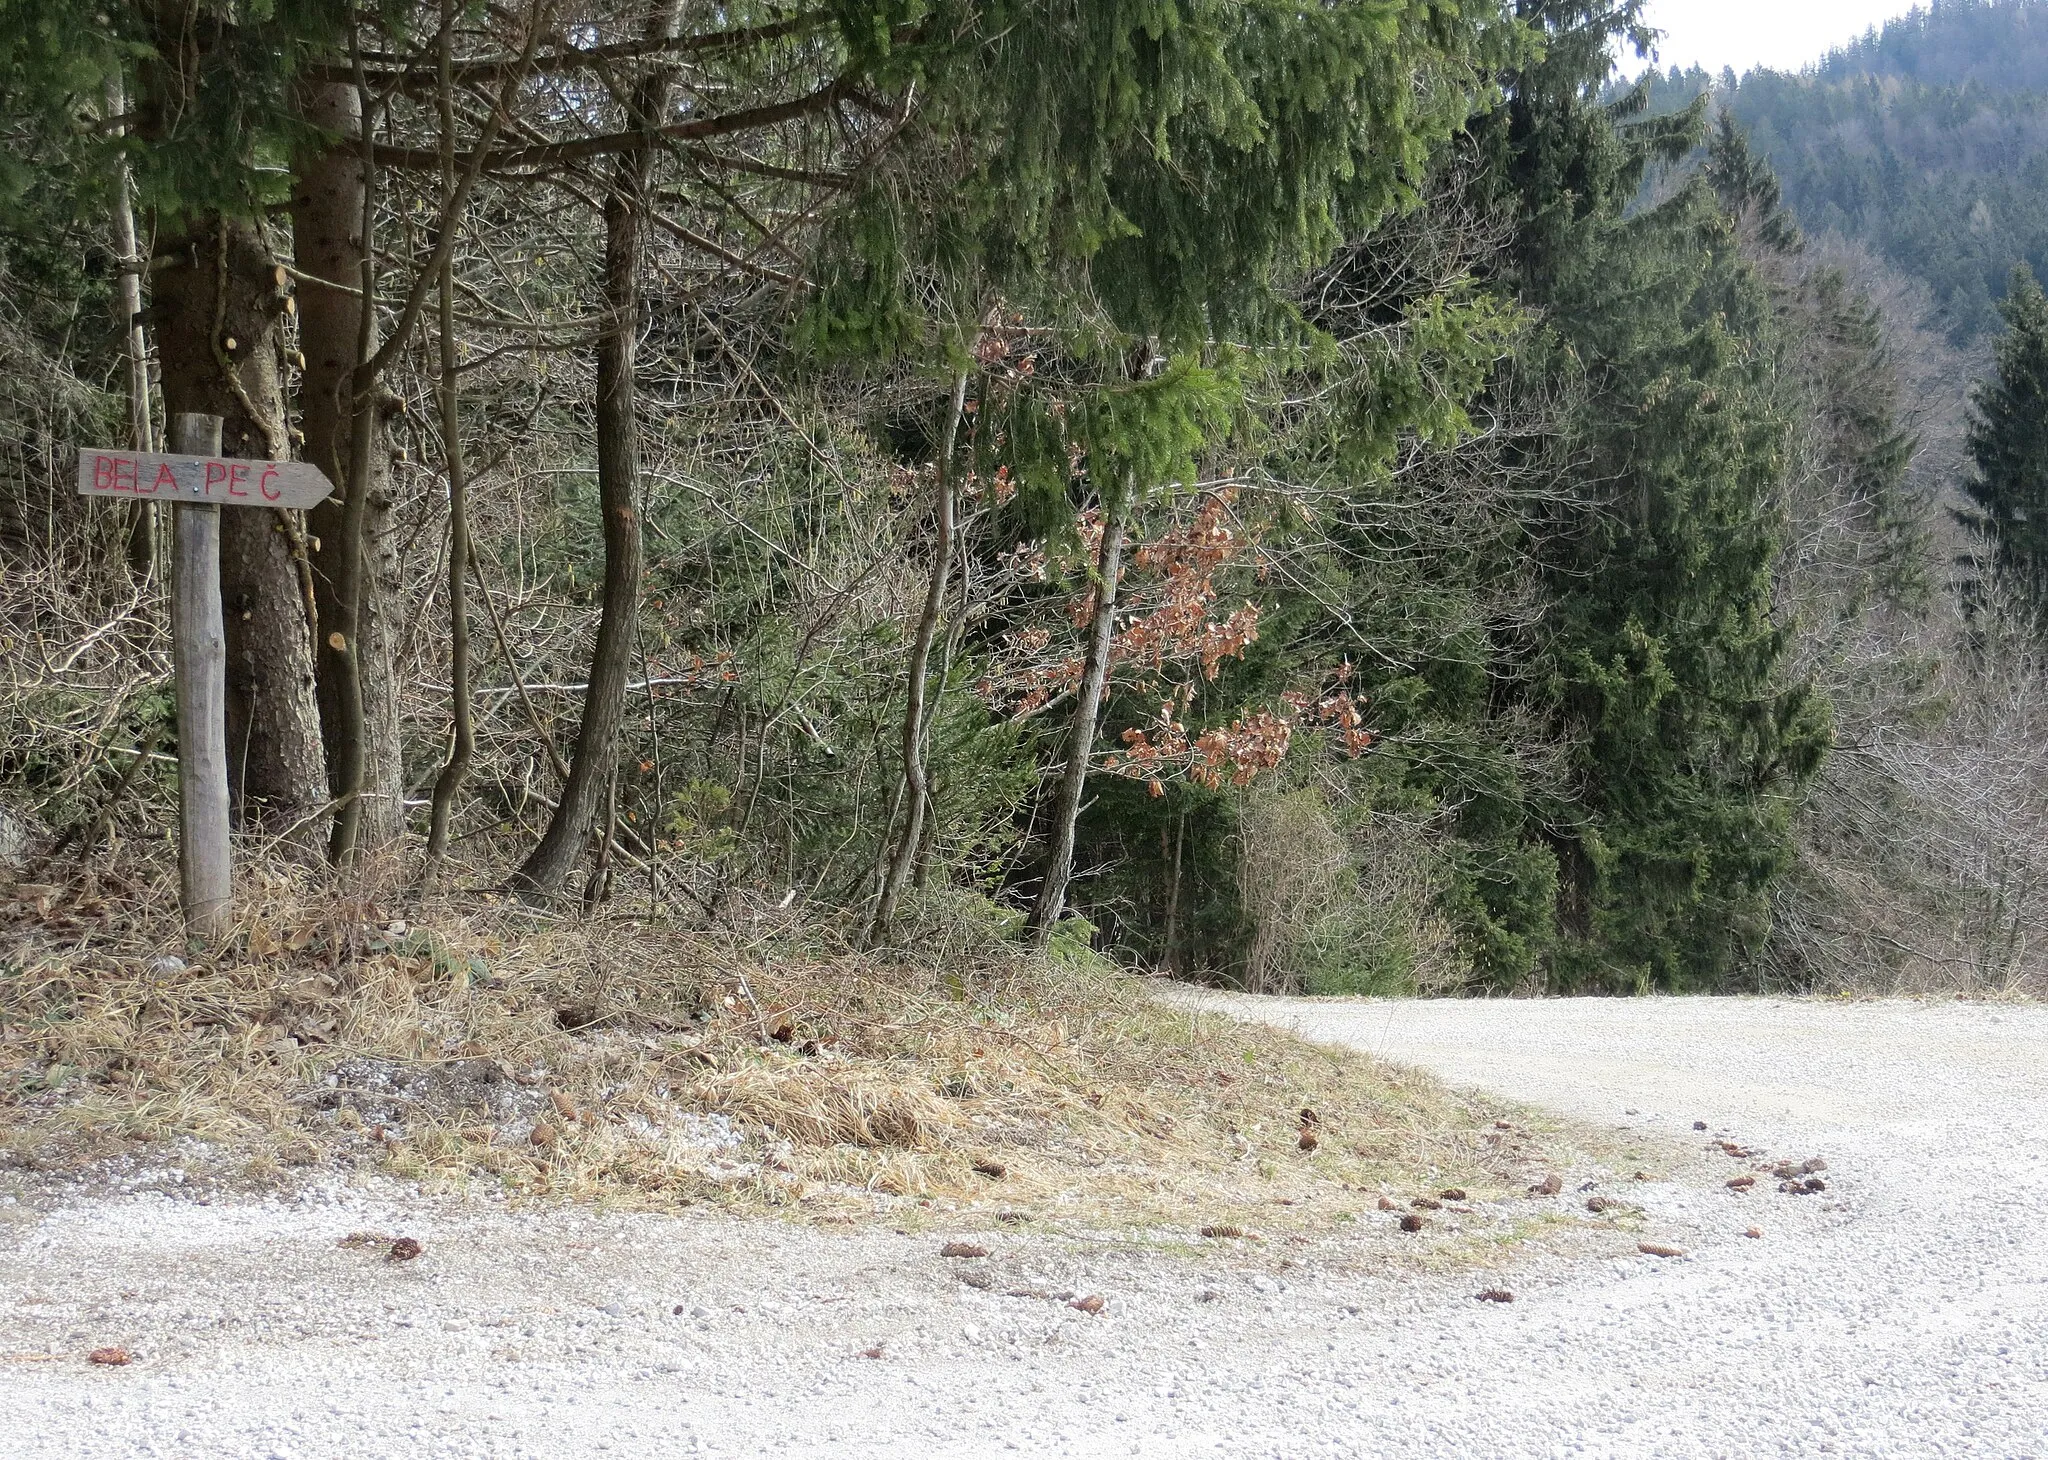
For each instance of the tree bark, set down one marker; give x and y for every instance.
(219, 297)
(916, 791)
(618, 492)
(1059, 860)
(328, 192)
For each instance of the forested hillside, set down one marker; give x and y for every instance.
(1926, 141)
(1245, 486)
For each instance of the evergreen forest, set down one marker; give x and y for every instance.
(1346, 498)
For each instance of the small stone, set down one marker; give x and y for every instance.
(1754, 1232)
(1699, 1125)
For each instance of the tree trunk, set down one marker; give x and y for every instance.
(219, 297)
(328, 187)
(916, 792)
(1059, 861)
(135, 343)
(448, 784)
(618, 494)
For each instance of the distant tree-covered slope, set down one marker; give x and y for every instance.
(1927, 141)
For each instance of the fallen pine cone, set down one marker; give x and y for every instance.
(1599, 1203)
(1658, 1249)
(1410, 1222)
(962, 1249)
(1550, 1185)
(1452, 1193)
(1091, 1305)
(405, 1249)
(1742, 1183)
(1308, 1139)
(1427, 1204)
(1309, 1117)
(1496, 1295)
(564, 1106)
(113, 1357)
(1388, 1204)
(1223, 1229)
(1807, 1187)
(543, 1134)
(992, 1169)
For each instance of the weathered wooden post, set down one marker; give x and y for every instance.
(197, 481)
(199, 649)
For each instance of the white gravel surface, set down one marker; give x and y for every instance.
(1901, 1312)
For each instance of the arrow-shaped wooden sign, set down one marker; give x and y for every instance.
(226, 480)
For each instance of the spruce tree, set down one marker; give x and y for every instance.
(1665, 663)
(2008, 492)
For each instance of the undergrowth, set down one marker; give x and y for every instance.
(765, 1065)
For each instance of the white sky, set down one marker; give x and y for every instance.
(1781, 34)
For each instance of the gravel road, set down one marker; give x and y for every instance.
(1903, 1311)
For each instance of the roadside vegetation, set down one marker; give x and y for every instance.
(859, 527)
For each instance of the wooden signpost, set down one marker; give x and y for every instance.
(197, 481)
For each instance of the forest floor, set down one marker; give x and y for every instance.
(1894, 1312)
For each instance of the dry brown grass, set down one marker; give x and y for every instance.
(621, 1062)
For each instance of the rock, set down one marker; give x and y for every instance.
(1754, 1232)
(20, 834)
(1699, 1125)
